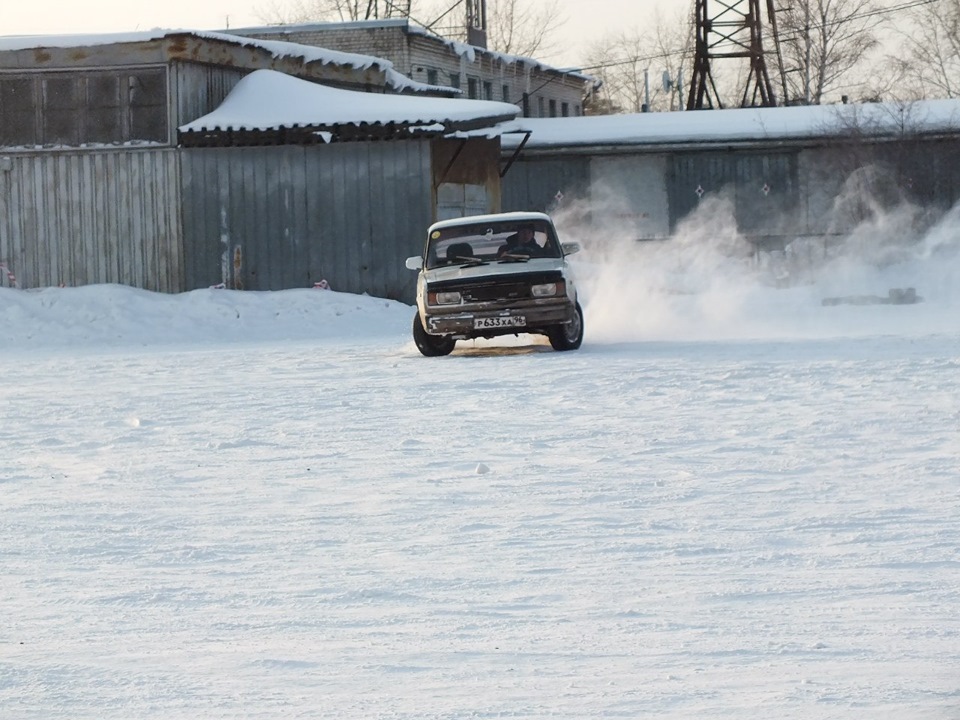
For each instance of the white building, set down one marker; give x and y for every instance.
(539, 90)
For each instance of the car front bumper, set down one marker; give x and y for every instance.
(463, 324)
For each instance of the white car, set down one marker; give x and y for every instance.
(490, 275)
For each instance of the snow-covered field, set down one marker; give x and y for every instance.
(732, 502)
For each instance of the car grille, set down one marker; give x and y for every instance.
(512, 287)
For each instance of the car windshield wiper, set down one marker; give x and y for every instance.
(510, 257)
(471, 261)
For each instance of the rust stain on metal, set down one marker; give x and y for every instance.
(79, 55)
(41, 55)
(178, 44)
(237, 268)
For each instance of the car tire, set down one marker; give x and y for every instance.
(431, 345)
(570, 335)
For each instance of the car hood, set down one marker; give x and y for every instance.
(494, 269)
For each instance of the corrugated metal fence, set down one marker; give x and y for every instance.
(77, 218)
(776, 194)
(290, 216)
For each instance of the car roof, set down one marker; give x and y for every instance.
(493, 218)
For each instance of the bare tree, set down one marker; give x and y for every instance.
(824, 42)
(644, 67)
(519, 27)
(929, 62)
(299, 11)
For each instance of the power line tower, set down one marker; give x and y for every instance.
(387, 9)
(477, 23)
(735, 30)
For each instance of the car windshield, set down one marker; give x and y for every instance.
(514, 241)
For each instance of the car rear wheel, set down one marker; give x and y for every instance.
(570, 335)
(431, 345)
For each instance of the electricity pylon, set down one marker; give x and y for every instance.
(731, 29)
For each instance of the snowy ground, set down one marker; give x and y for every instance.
(732, 502)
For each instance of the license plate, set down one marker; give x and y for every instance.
(499, 322)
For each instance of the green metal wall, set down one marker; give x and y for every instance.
(269, 218)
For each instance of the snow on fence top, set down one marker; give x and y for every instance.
(741, 124)
(271, 100)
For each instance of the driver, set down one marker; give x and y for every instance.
(522, 242)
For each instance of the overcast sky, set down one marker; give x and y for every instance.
(586, 21)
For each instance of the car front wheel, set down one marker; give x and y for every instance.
(570, 335)
(431, 345)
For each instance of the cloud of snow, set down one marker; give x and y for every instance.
(709, 282)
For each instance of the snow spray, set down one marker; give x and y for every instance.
(709, 281)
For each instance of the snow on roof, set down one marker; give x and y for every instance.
(276, 48)
(739, 125)
(30, 42)
(468, 52)
(516, 216)
(270, 100)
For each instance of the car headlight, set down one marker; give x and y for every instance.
(444, 298)
(547, 289)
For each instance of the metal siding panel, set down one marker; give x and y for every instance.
(8, 236)
(229, 221)
(692, 177)
(633, 189)
(93, 221)
(403, 194)
(348, 213)
(261, 202)
(136, 250)
(378, 237)
(35, 214)
(354, 196)
(297, 217)
(48, 241)
(539, 181)
(767, 195)
(122, 223)
(349, 197)
(290, 196)
(200, 88)
(82, 256)
(74, 209)
(420, 204)
(313, 216)
(197, 262)
(336, 218)
(242, 221)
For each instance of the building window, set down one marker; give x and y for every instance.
(148, 105)
(431, 76)
(565, 109)
(472, 84)
(577, 111)
(540, 112)
(455, 80)
(103, 112)
(488, 91)
(18, 116)
(506, 93)
(553, 108)
(80, 108)
(61, 106)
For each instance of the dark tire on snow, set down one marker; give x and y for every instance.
(569, 336)
(431, 345)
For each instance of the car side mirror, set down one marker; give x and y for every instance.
(414, 263)
(569, 248)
